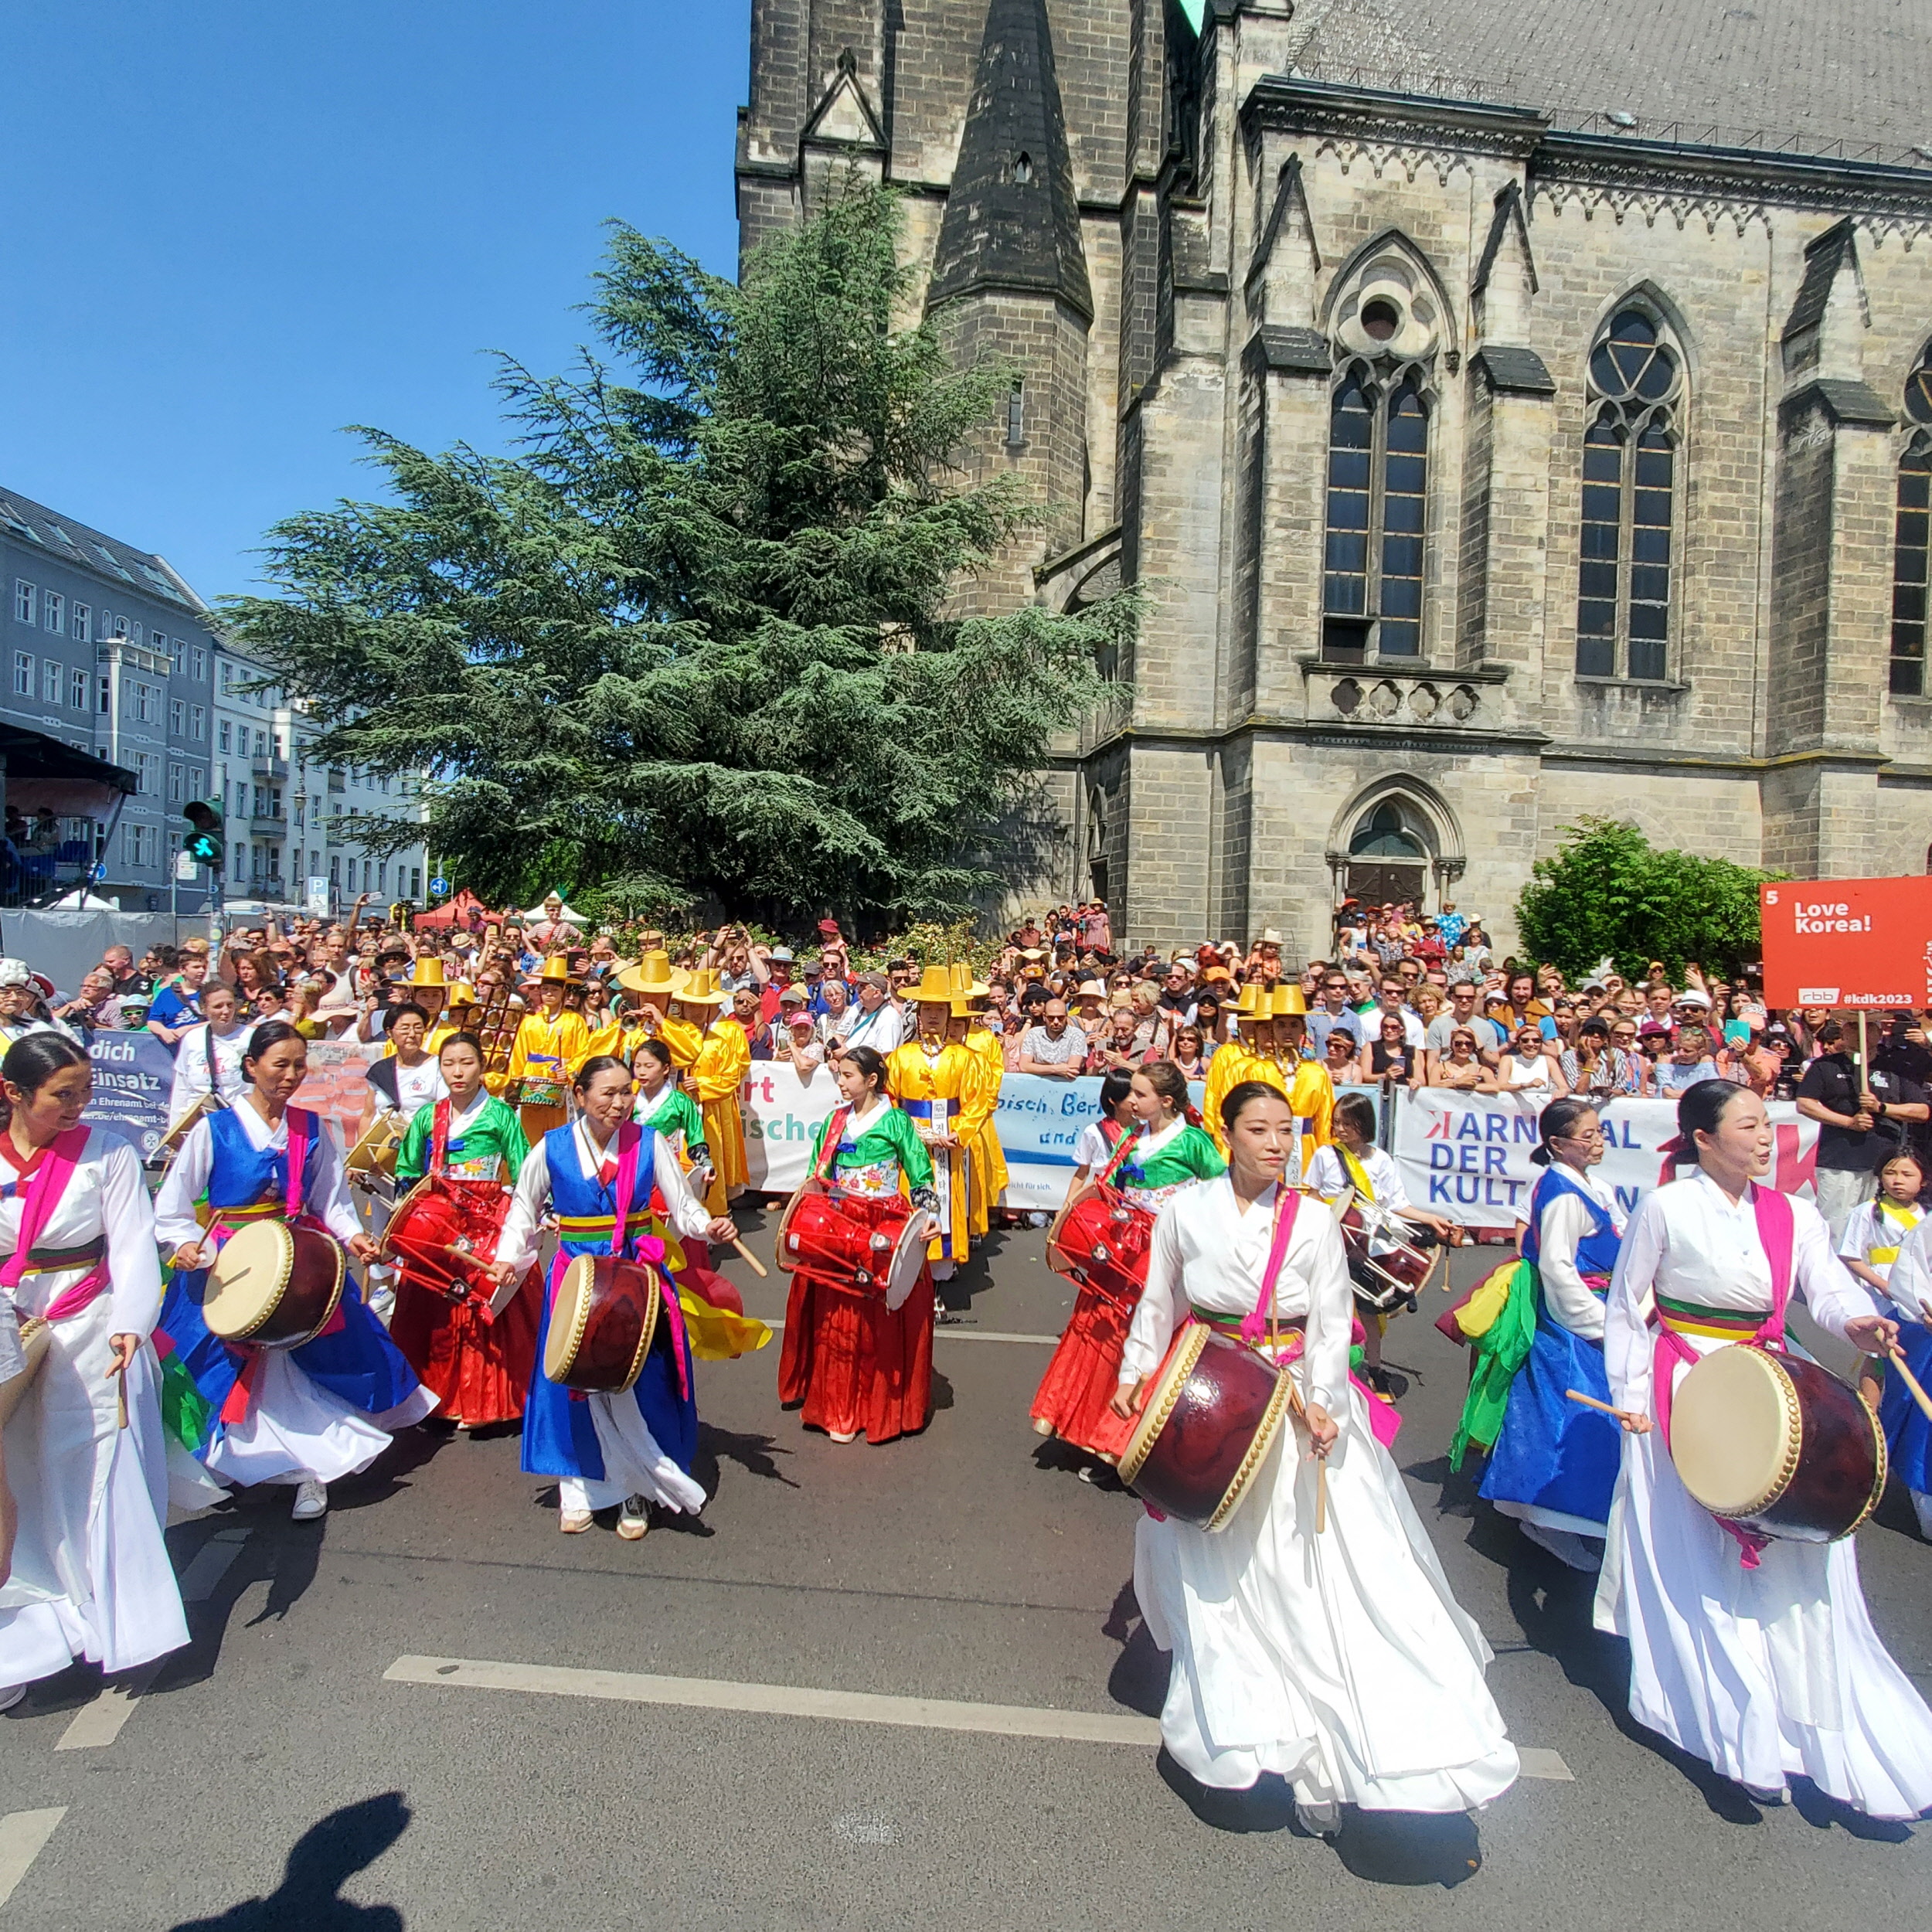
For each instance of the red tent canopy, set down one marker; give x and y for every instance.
(460, 911)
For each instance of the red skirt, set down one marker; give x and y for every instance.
(1075, 1394)
(853, 1364)
(478, 1370)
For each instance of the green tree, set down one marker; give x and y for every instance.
(1609, 893)
(696, 637)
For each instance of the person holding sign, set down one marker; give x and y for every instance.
(1755, 1653)
(1885, 1247)
(1314, 1636)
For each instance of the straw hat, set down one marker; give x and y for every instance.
(935, 987)
(1290, 1001)
(701, 988)
(653, 974)
(429, 972)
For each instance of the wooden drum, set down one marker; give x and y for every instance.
(1775, 1443)
(1101, 1243)
(274, 1285)
(1211, 1418)
(443, 1236)
(601, 1324)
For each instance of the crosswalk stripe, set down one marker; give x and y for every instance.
(22, 1835)
(98, 1725)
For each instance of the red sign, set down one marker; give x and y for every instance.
(1849, 942)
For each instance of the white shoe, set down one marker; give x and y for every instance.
(573, 1522)
(311, 1500)
(11, 1696)
(634, 1519)
(1318, 1820)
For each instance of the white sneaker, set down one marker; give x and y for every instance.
(311, 1500)
(11, 1694)
(1318, 1820)
(634, 1519)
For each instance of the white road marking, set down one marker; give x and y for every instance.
(199, 1580)
(780, 1700)
(965, 1335)
(98, 1724)
(854, 1707)
(22, 1835)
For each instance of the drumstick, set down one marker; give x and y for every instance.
(1591, 1401)
(1911, 1382)
(1320, 1493)
(757, 1267)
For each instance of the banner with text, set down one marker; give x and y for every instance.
(134, 1076)
(1467, 1155)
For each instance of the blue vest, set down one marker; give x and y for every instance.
(1596, 1252)
(576, 1197)
(242, 1174)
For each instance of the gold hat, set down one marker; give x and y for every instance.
(962, 1008)
(462, 994)
(1257, 1002)
(556, 971)
(652, 974)
(935, 987)
(429, 972)
(1290, 1001)
(701, 988)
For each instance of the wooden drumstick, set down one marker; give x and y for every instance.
(1591, 1401)
(757, 1267)
(1320, 1493)
(1911, 1381)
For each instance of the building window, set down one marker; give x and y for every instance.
(1629, 482)
(53, 675)
(198, 722)
(176, 792)
(24, 603)
(1016, 415)
(199, 660)
(130, 632)
(196, 778)
(416, 889)
(147, 769)
(23, 673)
(369, 876)
(178, 716)
(1378, 494)
(335, 880)
(53, 612)
(222, 740)
(77, 691)
(104, 694)
(142, 700)
(1910, 545)
(382, 879)
(160, 641)
(80, 624)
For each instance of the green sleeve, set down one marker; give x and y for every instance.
(516, 1149)
(1202, 1156)
(914, 1158)
(412, 1157)
(692, 1120)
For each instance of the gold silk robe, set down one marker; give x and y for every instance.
(988, 1158)
(938, 1090)
(544, 1056)
(714, 1081)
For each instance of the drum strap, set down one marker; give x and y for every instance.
(45, 1193)
(1117, 1159)
(650, 1249)
(440, 1138)
(828, 1148)
(1288, 1204)
(1775, 1231)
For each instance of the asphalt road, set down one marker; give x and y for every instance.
(275, 1775)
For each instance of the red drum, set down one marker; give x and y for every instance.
(1775, 1443)
(275, 1284)
(1101, 1243)
(601, 1324)
(443, 1236)
(1211, 1418)
(1383, 1280)
(868, 1247)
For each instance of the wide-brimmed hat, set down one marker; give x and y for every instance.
(652, 974)
(935, 987)
(428, 972)
(555, 972)
(1090, 989)
(1289, 1001)
(1257, 1002)
(462, 994)
(965, 985)
(701, 988)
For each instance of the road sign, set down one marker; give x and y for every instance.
(439, 886)
(316, 897)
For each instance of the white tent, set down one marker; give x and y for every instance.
(537, 913)
(81, 900)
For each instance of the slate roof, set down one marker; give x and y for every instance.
(1850, 77)
(1012, 218)
(27, 522)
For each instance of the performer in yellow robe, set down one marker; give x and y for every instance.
(714, 1081)
(935, 1083)
(1309, 1091)
(1250, 1057)
(551, 1044)
(987, 1158)
(459, 1017)
(648, 988)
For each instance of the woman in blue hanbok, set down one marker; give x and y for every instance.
(307, 1416)
(596, 1174)
(1554, 1464)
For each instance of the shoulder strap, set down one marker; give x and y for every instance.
(1288, 1204)
(1123, 1147)
(829, 1147)
(44, 1194)
(1357, 1174)
(302, 1135)
(1777, 1229)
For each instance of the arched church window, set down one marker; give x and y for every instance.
(1910, 538)
(1378, 496)
(1384, 834)
(1631, 449)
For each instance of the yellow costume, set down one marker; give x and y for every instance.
(938, 1090)
(988, 1157)
(546, 1053)
(716, 1072)
(1237, 1060)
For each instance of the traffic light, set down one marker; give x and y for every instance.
(203, 844)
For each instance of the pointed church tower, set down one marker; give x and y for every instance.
(1009, 279)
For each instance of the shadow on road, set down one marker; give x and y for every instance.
(755, 1454)
(326, 1855)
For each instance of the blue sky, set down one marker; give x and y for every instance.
(236, 225)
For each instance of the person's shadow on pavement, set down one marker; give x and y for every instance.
(329, 1852)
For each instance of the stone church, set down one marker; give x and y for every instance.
(1508, 413)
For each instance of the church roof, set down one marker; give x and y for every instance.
(1012, 218)
(1854, 78)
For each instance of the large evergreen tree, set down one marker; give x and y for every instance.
(696, 637)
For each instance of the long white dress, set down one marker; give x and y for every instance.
(91, 1577)
(1768, 1673)
(296, 1428)
(1340, 1661)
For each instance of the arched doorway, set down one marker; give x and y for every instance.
(1388, 857)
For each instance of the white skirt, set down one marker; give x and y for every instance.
(1765, 1673)
(296, 1429)
(634, 1465)
(1341, 1661)
(91, 1577)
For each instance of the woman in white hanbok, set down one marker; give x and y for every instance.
(84, 1454)
(1762, 1660)
(1338, 1659)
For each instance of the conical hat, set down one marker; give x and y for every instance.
(429, 972)
(962, 1008)
(1255, 1001)
(935, 987)
(652, 974)
(1290, 1001)
(701, 988)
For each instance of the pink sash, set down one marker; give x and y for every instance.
(44, 1194)
(1776, 1233)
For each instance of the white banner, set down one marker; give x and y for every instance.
(782, 1114)
(1467, 1155)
